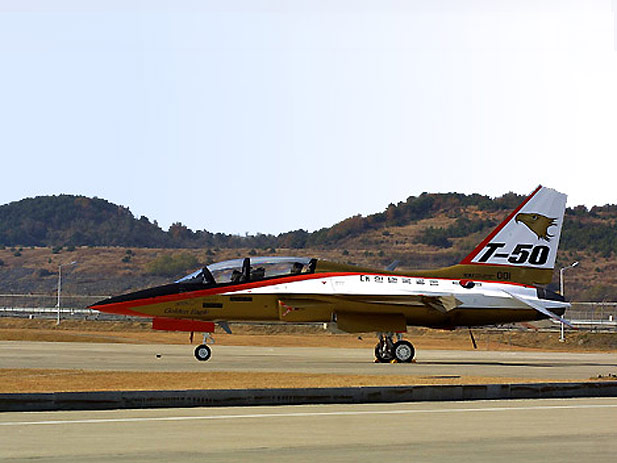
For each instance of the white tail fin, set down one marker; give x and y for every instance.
(529, 237)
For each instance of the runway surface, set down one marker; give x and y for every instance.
(550, 366)
(570, 430)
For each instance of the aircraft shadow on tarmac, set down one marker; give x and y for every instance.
(518, 364)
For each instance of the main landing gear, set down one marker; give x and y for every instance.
(389, 351)
(203, 351)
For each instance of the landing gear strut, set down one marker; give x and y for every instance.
(389, 351)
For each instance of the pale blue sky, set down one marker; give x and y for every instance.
(245, 116)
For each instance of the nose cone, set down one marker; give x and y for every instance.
(119, 305)
(130, 303)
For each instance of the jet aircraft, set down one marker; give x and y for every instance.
(500, 281)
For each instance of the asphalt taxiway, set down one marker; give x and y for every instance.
(571, 430)
(547, 366)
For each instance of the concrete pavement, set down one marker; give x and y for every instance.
(570, 430)
(548, 366)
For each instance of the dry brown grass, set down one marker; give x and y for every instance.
(17, 329)
(259, 340)
(55, 380)
(48, 380)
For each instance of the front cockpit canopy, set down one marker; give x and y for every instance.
(250, 269)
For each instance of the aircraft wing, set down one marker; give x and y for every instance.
(442, 302)
(540, 309)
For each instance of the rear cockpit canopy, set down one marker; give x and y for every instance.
(250, 269)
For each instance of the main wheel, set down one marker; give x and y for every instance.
(203, 352)
(382, 357)
(403, 351)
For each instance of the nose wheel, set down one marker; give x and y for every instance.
(203, 351)
(389, 351)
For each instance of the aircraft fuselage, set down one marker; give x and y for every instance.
(322, 297)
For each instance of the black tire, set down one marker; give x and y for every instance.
(403, 351)
(381, 356)
(203, 353)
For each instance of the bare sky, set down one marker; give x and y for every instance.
(268, 116)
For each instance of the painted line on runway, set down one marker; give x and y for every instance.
(306, 414)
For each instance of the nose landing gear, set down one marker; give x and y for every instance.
(203, 351)
(389, 351)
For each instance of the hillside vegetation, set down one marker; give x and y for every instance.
(68, 220)
(117, 251)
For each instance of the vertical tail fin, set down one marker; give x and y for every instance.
(526, 240)
(523, 247)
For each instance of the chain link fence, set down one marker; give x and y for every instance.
(593, 315)
(46, 306)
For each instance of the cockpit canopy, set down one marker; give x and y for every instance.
(250, 269)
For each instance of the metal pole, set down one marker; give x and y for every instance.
(562, 336)
(59, 292)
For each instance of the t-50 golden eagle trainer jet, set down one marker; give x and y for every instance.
(494, 284)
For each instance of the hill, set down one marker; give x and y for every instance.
(75, 220)
(68, 220)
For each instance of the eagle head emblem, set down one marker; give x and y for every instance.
(538, 224)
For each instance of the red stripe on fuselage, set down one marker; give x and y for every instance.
(118, 309)
(127, 305)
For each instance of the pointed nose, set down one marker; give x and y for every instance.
(129, 304)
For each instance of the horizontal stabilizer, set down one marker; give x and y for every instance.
(540, 309)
